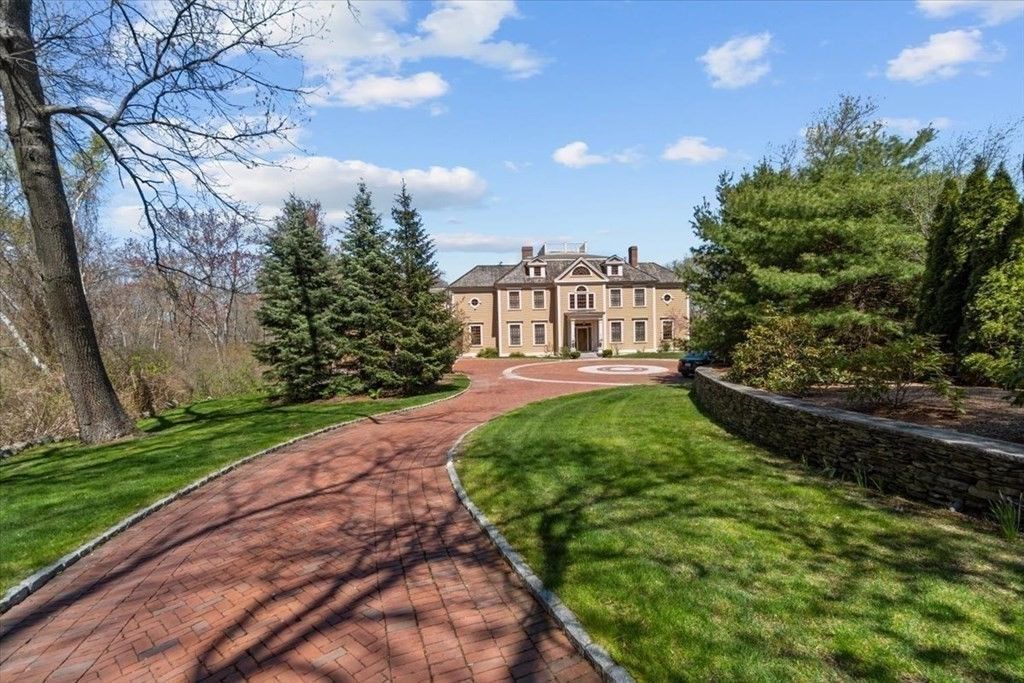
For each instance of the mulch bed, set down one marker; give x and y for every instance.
(988, 413)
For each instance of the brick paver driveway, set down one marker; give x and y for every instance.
(346, 557)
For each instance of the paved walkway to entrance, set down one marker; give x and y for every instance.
(345, 557)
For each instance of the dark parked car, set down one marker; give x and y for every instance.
(689, 363)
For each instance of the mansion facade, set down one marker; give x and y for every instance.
(562, 297)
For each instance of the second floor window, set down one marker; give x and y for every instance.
(581, 298)
(514, 301)
(538, 298)
(615, 298)
(639, 297)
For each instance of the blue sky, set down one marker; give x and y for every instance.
(608, 122)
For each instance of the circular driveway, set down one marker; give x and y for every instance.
(343, 557)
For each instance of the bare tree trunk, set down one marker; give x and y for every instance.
(100, 415)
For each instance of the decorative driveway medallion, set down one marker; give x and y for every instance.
(622, 369)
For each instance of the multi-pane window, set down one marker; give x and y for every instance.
(639, 297)
(581, 298)
(515, 334)
(514, 301)
(613, 271)
(539, 334)
(538, 298)
(535, 271)
(615, 298)
(667, 330)
(639, 330)
(476, 335)
(581, 270)
(616, 331)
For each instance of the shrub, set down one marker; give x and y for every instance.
(784, 354)
(884, 375)
(1004, 369)
(606, 353)
(569, 353)
(517, 354)
(489, 352)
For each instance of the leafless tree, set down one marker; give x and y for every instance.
(170, 90)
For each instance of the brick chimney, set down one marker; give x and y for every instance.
(634, 256)
(527, 252)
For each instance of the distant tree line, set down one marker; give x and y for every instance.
(869, 247)
(362, 318)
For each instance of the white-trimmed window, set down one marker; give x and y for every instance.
(581, 270)
(515, 334)
(515, 300)
(615, 298)
(639, 331)
(474, 302)
(538, 298)
(540, 334)
(667, 329)
(615, 330)
(613, 270)
(476, 335)
(666, 297)
(535, 271)
(581, 298)
(639, 297)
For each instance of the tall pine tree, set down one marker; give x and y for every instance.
(939, 311)
(429, 328)
(298, 305)
(369, 296)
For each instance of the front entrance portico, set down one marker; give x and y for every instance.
(585, 330)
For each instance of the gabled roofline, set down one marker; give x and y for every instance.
(568, 270)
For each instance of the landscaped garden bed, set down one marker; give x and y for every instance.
(691, 554)
(59, 496)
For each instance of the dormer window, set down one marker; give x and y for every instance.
(613, 270)
(535, 271)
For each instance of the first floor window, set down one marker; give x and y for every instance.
(616, 331)
(476, 335)
(538, 298)
(513, 300)
(515, 334)
(666, 330)
(539, 334)
(615, 298)
(639, 297)
(639, 330)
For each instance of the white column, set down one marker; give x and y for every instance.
(572, 334)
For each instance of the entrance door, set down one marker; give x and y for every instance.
(583, 338)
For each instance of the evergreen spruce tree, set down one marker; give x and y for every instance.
(938, 312)
(369, 297)
(298, 309)
(429, 328)
(989, 246)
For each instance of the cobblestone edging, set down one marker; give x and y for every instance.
(594, 653)
(937, 466)
(37, 580)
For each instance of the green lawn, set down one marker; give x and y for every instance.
(54, 498)
(692, 555)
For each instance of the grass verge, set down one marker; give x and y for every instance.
(691, 554)
(56, 497)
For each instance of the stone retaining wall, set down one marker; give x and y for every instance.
(938, 466)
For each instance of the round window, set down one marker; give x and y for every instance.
(667, 298)
(474, 302)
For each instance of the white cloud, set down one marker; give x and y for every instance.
(910, 126)
(376, 44)
(941, 57)
(516, 166)
(577, 155)
(124, 220)
(991, 12)
(476, 242)
(693, 149)
(332, 182)
(371, 92)
(738, 62)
